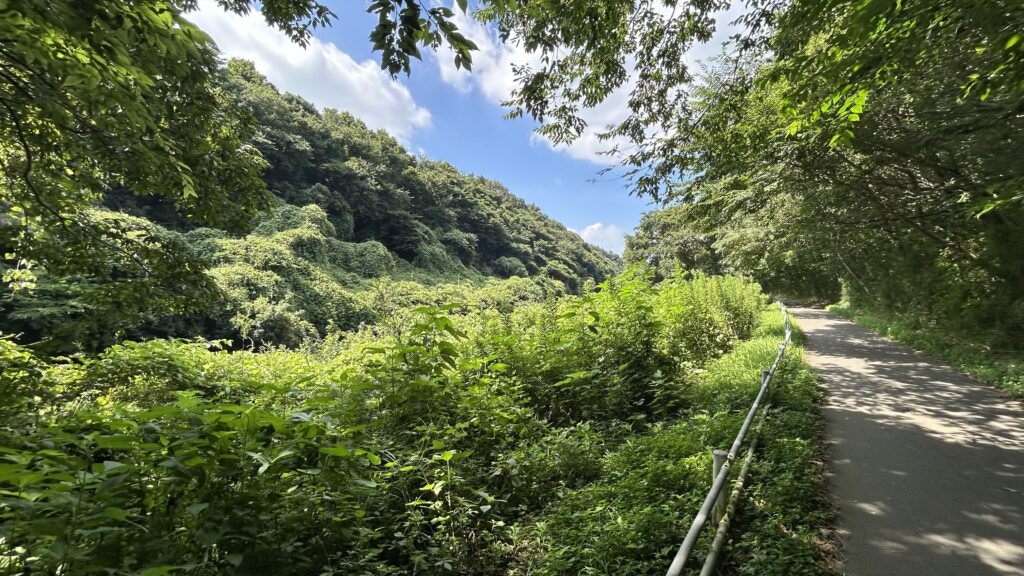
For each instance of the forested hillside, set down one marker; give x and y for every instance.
(426, 213)
(352, 216)
(243, 335)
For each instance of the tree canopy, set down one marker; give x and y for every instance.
(872, 145)
(894, 171)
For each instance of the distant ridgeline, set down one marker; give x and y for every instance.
(360, 227)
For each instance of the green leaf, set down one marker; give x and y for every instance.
(115, 442)
(159, 570)
(115, 513)
(336, 451)
(10, 471)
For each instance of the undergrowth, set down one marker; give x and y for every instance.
(559, 437)
(632, 520)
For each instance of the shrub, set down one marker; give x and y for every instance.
(367, 259)
(21, 375)
(631, 519)
(462, 244)
(542, 438)
(629, 522)
(508, 266)
(372, 259)
(305, 243)
(326, 304)
(434, 257)
(541, 471)
(203, 241)
(290, 217)
(266, 322)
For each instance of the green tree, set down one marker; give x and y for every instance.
(667, 241)
(875, 142)
(100, 95)
(109, 94)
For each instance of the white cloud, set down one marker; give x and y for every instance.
(320, 73)
(494, 77)
(607, 236)
(493, 61)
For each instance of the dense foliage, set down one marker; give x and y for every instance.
(901, 207)
(247, 336)
(871, 147)
(122, 133)
(1001, 368)
(352, 209)
(427, 213)
(872, 143)
(102, 94)
(541, 439)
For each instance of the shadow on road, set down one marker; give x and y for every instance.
(928, 465)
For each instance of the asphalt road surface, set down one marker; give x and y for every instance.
(927, 465)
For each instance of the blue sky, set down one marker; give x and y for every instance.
(447, 114)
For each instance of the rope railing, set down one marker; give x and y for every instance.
(715, 501)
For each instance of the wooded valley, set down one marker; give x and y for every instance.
(241, 334)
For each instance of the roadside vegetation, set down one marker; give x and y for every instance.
(542, 437)
(241, 335)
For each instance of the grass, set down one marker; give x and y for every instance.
(1004, 370)
(786, 511)
(632, 519)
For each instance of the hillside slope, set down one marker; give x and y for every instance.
(425, 212)
(356, 216)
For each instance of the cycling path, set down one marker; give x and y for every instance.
(927, 465)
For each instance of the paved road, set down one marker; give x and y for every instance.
(927, 464)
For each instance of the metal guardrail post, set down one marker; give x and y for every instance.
(719, 458)
(708, 569)
(717, 495)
